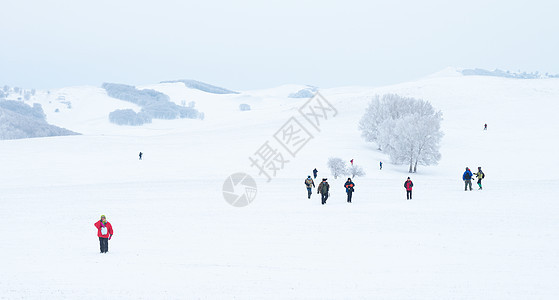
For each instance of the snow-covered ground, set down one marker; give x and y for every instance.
(176, 236)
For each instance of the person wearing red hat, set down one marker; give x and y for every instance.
(467, 177)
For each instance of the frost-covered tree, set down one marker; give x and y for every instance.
(131, 94)
(162, 110)
(379, 115)
(6, 89)
(355, 170)
(418, 141)
(244, 107)
(27, 95)
(129, 117)
(193, 84)
(23, 109)
(407, 129)
(154, 105)
(189, 113)
(337, 166)
(19, 120)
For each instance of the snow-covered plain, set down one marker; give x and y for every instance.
(176, 236)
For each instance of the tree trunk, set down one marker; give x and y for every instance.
(415, 167)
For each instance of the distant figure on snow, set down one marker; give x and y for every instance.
(408, 184)
(480, 175)
(141, 155)
(104, 232)
(351, 161)
(315, 172)
(380, 165)
(467, 177)
(310, 184)
(323, 189)
(485, 126)
(349, 189)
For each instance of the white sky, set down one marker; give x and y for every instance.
(257, 44)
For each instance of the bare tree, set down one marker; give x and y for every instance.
(337, 166)
(355, 170)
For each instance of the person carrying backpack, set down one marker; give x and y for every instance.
(104, 232)
(310, 184)
(467, 177)
(408, 184)
(349, 189)
(323, 189)
(480, 175)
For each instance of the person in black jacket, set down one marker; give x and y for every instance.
(349, 189)
(408, 184)
(323, 189)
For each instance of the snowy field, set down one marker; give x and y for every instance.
(177, 238)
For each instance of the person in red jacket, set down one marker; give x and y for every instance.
(104, 232)
(408, 185)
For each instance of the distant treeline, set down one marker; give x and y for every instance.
(507, 74)
(19, 121)
(7, 92)
(155, 105)
(208, 88)
(307, 92)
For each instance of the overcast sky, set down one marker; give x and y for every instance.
(257, 44)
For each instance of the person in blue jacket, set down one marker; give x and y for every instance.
(467, 177)
(349, 189)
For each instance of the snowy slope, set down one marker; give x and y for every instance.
(88, 111)
(176, 237)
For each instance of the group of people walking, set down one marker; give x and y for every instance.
(324, 188)
(467, 177)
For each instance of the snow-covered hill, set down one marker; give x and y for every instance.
(176, 237)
